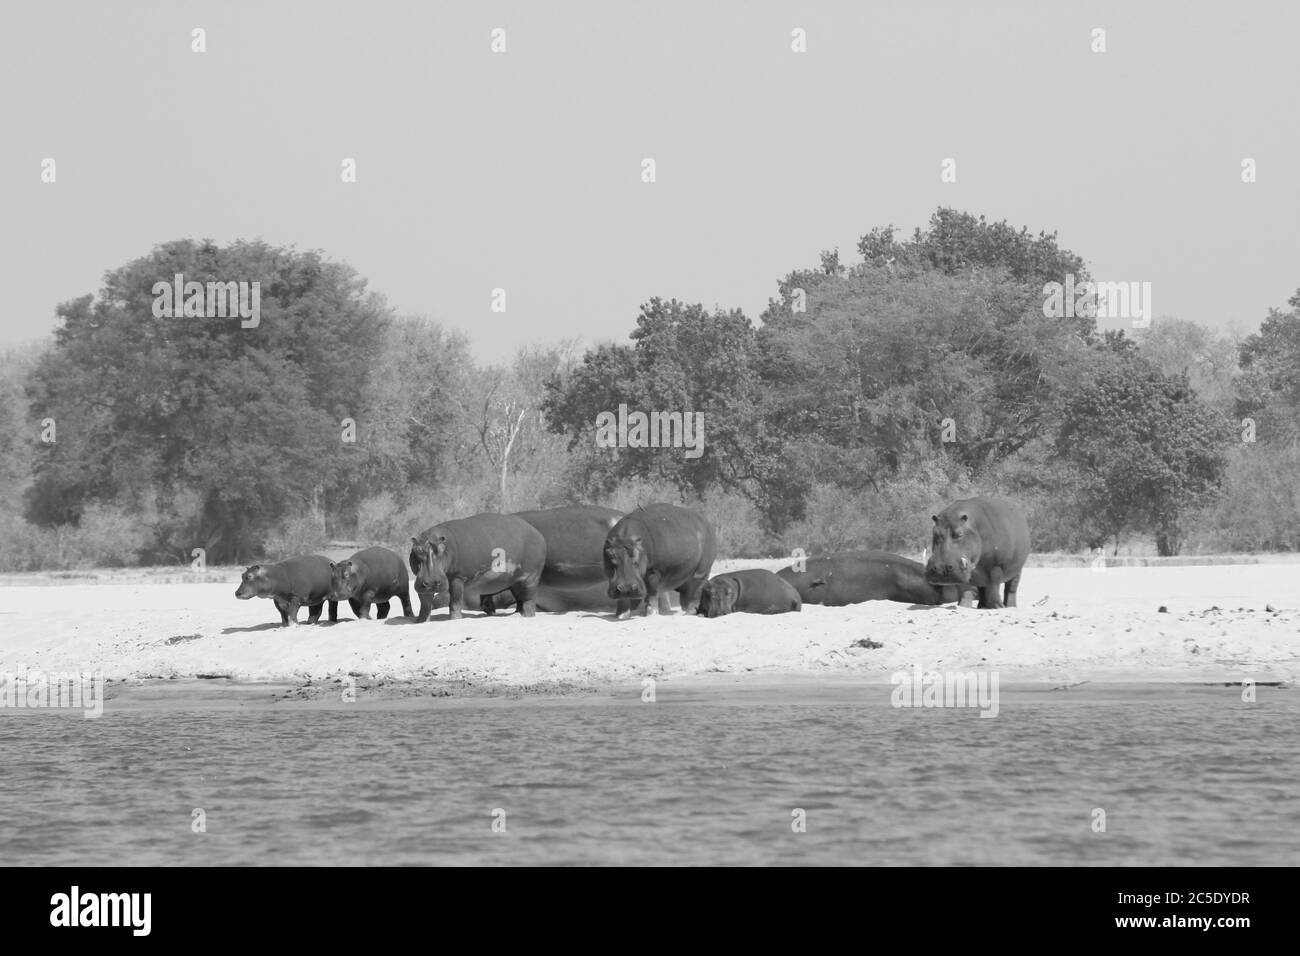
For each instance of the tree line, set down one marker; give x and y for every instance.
(866, 395)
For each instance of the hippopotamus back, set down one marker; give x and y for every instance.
(852, 577)
(574, 575)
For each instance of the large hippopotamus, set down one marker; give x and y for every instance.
(654, 550)
(855, 576)
(980, 544)
(290, 584)
(754, 591)
(371, 576)
(574, 576)
(484, 555)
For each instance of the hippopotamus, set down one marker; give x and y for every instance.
(371, 576)
(654, 550)
(574, 576)
(980, 544)
(754, 591)
(855, 576)
(484, 555)
(291, 584)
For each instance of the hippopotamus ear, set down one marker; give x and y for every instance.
(333, 565)
(935, 518)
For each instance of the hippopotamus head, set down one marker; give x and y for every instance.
(625, 567)
(346, 580)
(956, 547)
(718, 597)
(253, 583)
(428, 565)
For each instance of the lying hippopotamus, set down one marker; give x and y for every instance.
(753, 591)
(980, 545)
(291, 584)
(855, 576)
(484, 555)
(654, 550)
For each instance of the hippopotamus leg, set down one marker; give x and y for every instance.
(991, 593)
(406, 603)
(282, 606)
(1012, 584)
(969, 595)
(689, 594)
(487, 604)
(664, 606)
(291, 610)
(365, 607)
(381, 609)
(356, 608)
(456, 599)
(313, 612)
(334, 611)
(525, 599)
(623, 609)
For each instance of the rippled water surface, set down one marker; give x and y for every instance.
(1185, 776)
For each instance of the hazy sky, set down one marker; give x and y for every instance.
(522, 170)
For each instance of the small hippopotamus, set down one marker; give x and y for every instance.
(753, 591)
(980, 545)
(291, 584)
(372, 576)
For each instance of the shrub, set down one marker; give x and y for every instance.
(108, 536)
(302, 533)
(1259, 509)
(738, 524)
(27, 547)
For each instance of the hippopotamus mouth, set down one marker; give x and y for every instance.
(948, 575)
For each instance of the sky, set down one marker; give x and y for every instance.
(522, 170)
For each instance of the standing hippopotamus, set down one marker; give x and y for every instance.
(574, 576)
(754, 591)
(654, 550)
(291, 584)
(371, 576)
(980, 544)
(855, 576)
(484, 554)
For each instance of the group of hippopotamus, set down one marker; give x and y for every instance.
(596, 559)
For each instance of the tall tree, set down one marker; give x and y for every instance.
(1150, 450)
(241, 421)
(1270, 380)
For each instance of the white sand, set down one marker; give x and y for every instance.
(1072, 625)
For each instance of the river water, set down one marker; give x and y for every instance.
(1184, 775)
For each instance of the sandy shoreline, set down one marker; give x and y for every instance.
(1223, 623)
